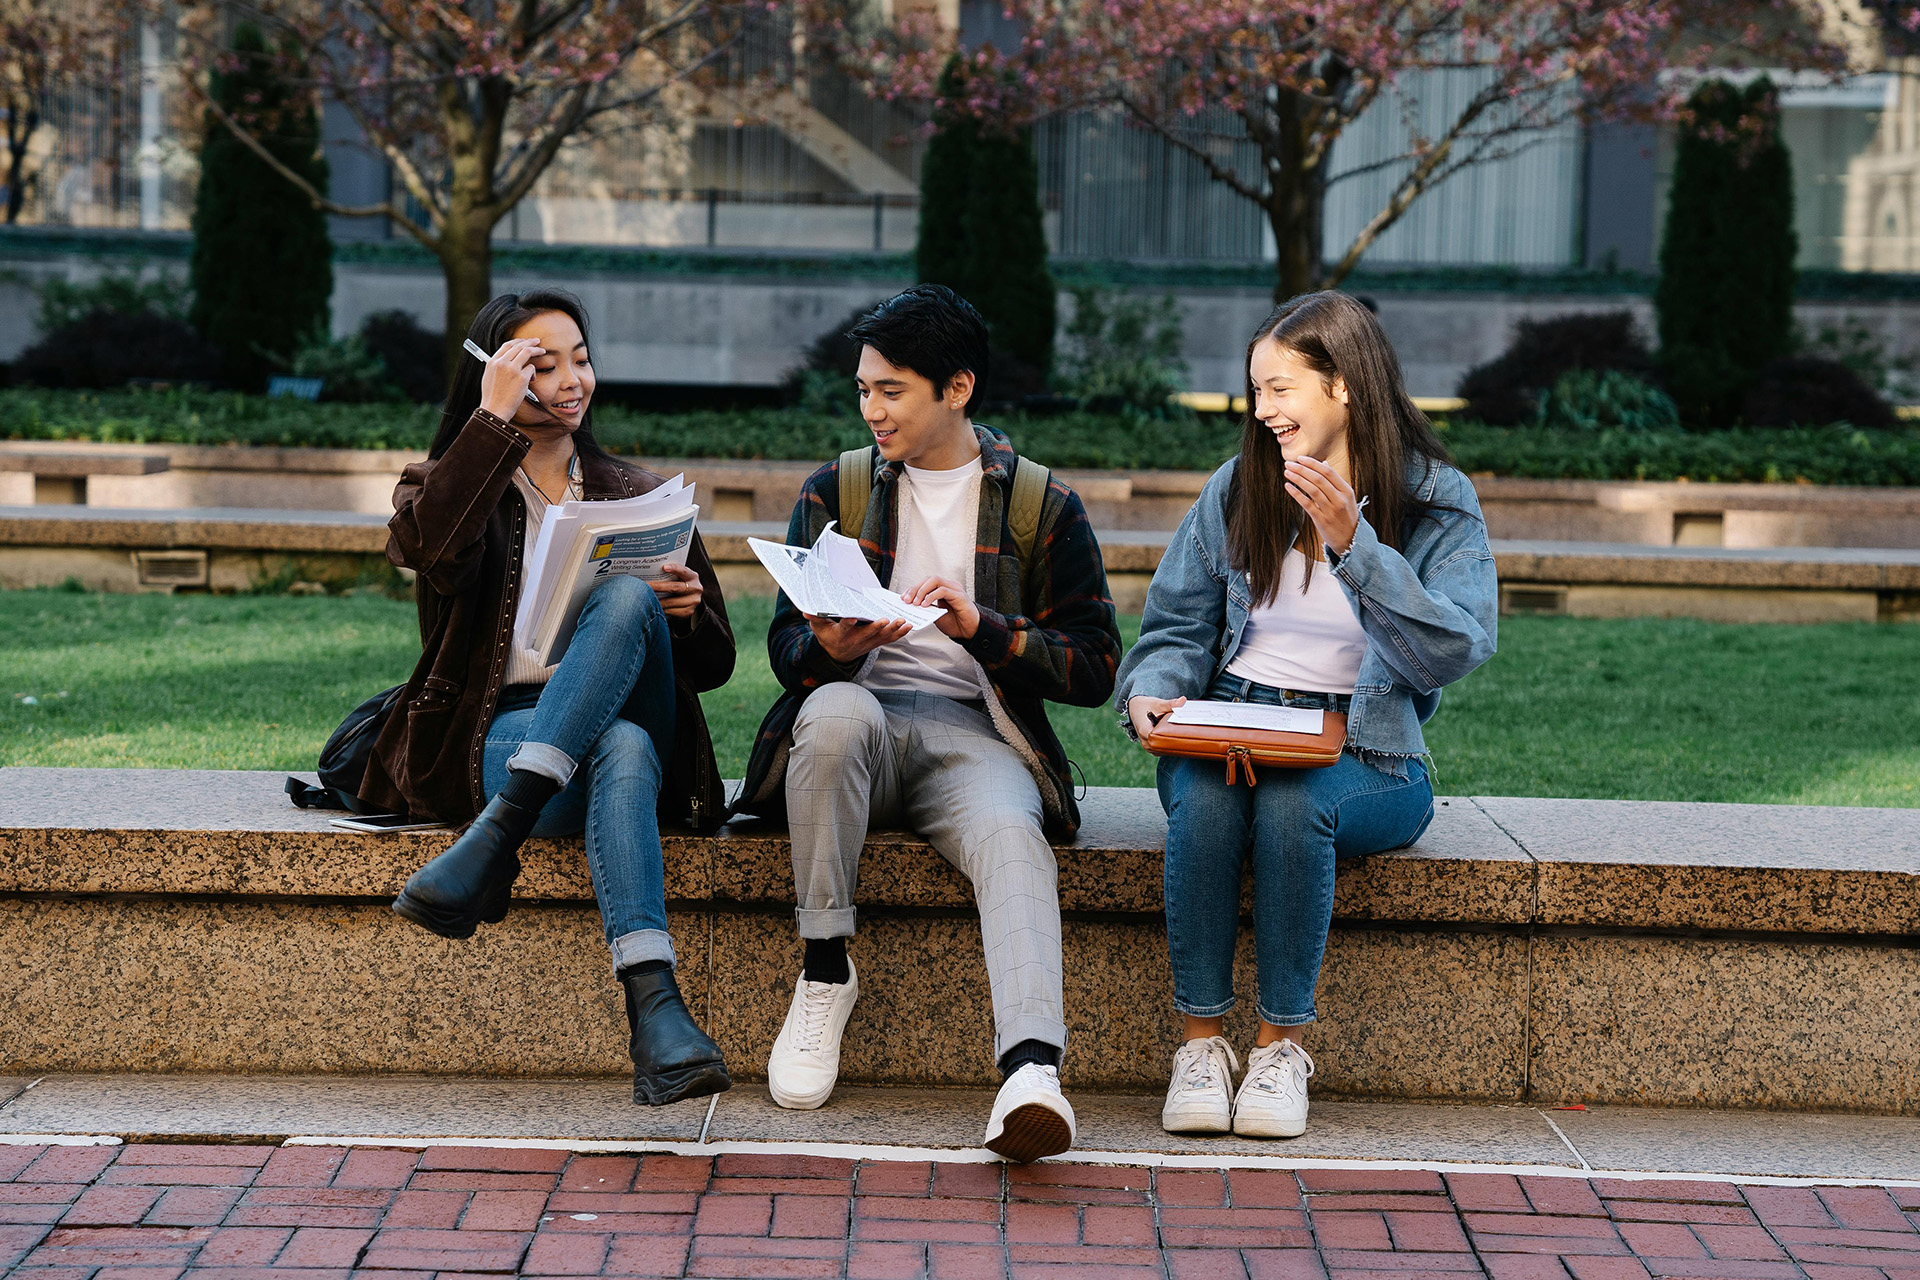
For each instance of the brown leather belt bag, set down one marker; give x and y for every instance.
(1242, 749)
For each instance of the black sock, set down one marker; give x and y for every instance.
(826, 961)
(528, 790)
(1038, 1052)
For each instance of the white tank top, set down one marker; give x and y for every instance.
(1310, 642)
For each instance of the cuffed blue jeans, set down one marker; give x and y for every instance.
(601, 728)
(1294, 823)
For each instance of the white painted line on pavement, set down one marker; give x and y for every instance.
(1561, 1134)
(58, 1140)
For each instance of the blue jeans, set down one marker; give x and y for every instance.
(601, 728)
(1295, 822)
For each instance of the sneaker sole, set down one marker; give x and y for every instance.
(1193, 1122)
(1030, 1132)
(1270, 1128)
(800, 1102)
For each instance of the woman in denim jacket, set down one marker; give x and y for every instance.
(1339, 563)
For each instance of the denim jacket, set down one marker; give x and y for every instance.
(1428, 611)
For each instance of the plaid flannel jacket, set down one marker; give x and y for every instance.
(1060, 643)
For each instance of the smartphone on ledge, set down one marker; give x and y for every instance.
(376, 823)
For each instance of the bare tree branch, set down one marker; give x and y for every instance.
(1215, 169)
(320, 200)
(1420, 179)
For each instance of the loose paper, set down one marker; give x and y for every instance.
(832, 579)
(1250, 715)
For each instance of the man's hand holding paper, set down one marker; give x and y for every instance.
(832, 583)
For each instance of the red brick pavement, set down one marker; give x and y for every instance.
(161, 1212)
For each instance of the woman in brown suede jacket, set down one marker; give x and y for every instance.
(611, 738)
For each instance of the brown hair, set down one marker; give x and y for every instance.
(1336, 337)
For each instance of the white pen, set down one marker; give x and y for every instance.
(473, 349)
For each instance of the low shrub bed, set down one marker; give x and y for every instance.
(1838, 455)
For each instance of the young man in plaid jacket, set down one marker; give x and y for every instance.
(942, 729)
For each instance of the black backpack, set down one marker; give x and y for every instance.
(343, 761)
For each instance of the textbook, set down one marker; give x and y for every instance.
(833, 580)
(583, 544)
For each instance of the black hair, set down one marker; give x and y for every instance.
(492, 326)
(931, 330)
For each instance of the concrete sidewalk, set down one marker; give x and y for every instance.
(945, 1125)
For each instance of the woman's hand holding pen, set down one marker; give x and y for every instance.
(1147, 712)
(509, 372)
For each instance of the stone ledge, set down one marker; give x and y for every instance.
(1631, 865)
(1690, 955)
(222, 528)
(235, 834)
(1126, 551)
(54, 461)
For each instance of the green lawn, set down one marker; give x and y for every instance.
(1640, 709)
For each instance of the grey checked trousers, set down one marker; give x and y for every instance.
(938, 767)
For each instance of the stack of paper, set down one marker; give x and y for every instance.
(583, 544)
(1250, 715)
(834, 581)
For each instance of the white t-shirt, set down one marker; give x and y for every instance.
(1311, 642)
(939, 525)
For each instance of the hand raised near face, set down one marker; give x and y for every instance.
(1328, 500)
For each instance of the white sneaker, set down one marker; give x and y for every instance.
(1031, 1117)
(1200, 1099)
(805, 1062)
(1273, 1095)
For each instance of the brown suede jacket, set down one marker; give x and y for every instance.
(459, 524)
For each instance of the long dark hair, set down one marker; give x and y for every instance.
(493, 326)
(1336, 337)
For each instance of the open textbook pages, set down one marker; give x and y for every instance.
(583, 544)
(1250, 715)
(833, 580)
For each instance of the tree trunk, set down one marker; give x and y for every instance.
(1296, 198)
(17, 144)
(466, 258)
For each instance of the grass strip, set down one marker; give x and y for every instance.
(1639, 709)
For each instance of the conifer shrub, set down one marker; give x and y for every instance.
(262, 268)
(1725, 295)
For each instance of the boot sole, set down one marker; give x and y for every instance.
(696, 1081)
(492, 911)
(455, 927)
(1030, 1132)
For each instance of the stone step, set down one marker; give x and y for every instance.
(1524, 950)
(44, 546)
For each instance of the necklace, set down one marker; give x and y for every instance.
(572, 463)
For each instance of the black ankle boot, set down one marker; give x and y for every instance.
(473, 880)
(672, 1057)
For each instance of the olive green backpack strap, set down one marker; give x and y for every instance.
(1030, 480)
(1023, 512)
(856, 486)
